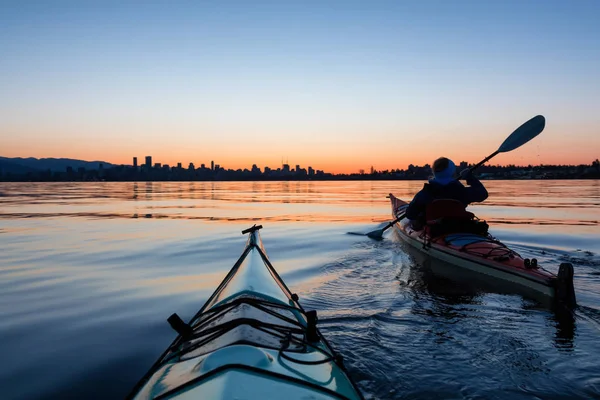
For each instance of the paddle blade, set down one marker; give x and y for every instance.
(523, 134)
(378, 234)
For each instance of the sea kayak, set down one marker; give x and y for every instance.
(251, 340)
(469, 255)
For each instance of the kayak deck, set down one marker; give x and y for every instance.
(250, 340)
(487, 257)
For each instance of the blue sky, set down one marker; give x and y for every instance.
(339, 84)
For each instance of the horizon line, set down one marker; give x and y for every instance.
(372, 166)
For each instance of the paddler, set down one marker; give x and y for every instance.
(444, 185)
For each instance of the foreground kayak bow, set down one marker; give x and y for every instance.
(486, 260)
(251, 340)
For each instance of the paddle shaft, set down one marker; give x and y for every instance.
(518, 138)
(400, 218)
(488, 158)
(377, 234)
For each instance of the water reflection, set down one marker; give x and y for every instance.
(565, 326)
(96, 268)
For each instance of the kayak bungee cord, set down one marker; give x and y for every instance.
(253, 332)
(282, 332)
(497, 253)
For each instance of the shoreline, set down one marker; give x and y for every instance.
(323, 179)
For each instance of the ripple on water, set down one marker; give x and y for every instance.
(87, 287)
(412, 329)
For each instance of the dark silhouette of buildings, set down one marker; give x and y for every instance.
(163, 172)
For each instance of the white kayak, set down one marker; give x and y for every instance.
(251, 340)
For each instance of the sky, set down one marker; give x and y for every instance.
(337, 85)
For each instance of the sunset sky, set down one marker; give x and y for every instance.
(338, 85)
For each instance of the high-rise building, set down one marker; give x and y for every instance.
(179, 165)
(148, 161)
(212, 165)
(134, 162)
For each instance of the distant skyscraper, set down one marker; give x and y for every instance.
(149, 161)
(212, 165)
(179, 165)
(134, 162)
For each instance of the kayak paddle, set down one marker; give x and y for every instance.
(378, 233)
(518, 138)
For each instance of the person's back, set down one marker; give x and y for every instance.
(445, 186)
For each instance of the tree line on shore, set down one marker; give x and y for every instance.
(412, 172)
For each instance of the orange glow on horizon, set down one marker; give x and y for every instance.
(335, 165)
(341, 151)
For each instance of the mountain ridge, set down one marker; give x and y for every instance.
(31, 164)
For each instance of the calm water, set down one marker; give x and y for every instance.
(89, 272)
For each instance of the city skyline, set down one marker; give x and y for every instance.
(152, 162)
(330, 84)
(35, 170)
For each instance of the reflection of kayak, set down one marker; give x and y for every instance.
(251, 340)
(487, 258)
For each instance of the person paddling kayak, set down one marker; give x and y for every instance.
(445, 186)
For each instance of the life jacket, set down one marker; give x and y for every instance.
(454, 190)
(447, 209)
(445, 216)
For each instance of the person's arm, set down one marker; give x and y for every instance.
(476, 192)
(417, 206)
